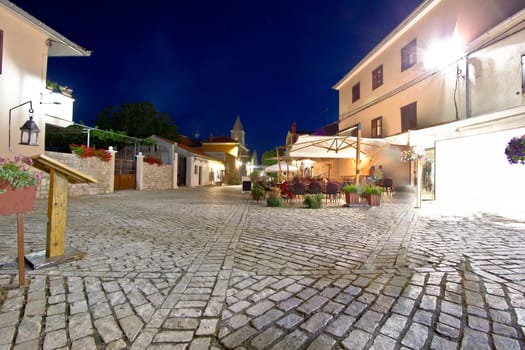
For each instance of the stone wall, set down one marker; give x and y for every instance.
(157, 177)
(93, 166)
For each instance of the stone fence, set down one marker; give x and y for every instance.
(149, 177)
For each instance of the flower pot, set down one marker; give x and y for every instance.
(17, 200)
(373, 199)
(352, 198)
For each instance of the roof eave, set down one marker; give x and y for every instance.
(59, 45)
(420, 11)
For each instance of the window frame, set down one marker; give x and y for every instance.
(356, 92)
(377, 77)
(408, 117)
(377, 124)
(409, 55)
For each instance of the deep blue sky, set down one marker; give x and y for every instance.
(204, 62)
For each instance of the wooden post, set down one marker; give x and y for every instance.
(20, 238)
(56, 214)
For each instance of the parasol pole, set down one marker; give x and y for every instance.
(357, 154)
(279, 163)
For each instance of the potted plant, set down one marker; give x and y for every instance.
(274, 199)
(313, 201)
(352, 194)
(373, 195)
(257, 192)
(84, 151)
(17, 185)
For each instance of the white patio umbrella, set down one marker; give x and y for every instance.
(314, 146)
(284, 167)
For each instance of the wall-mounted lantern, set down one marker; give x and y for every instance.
(29, 131)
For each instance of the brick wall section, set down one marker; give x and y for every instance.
(92, 166)
(157, 177)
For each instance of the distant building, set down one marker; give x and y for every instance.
(222, 159)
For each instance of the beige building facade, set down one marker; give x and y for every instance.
(449, 76)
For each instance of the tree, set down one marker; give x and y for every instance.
(138, 120)
(270, 157)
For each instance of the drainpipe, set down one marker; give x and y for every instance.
(467, 89)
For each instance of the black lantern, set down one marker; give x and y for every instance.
(29, 131)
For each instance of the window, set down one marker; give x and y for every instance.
(409, 117)
(522, 72)
(408, 55)
(356, 92)
(377, 127)
(1, 48)
(377, 77)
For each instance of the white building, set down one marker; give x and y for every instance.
(25, 46)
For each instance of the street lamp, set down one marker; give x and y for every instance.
(29, 131)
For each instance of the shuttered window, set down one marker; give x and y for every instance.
(409, 55)
(409, 117)
(377, 127)
(377, 77)
(356, 92)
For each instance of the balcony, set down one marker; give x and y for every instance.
(57, 108)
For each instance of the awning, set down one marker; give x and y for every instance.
(339, 146)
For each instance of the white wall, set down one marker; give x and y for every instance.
(473, 173)
(23, 77)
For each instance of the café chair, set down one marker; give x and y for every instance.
(299, 190)
(315, 187)
(332, 192)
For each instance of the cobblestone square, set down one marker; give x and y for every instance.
(209, 268)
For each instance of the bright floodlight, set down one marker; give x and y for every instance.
(441, 53)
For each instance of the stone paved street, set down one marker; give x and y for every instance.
(209, 268)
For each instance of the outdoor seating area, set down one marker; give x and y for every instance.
(329, 192)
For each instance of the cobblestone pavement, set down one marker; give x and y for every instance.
(209, 268)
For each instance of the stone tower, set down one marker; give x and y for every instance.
(237, 133)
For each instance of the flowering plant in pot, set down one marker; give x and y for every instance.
(352, 193)
(515, 150)
(17, 185)
(84, 151)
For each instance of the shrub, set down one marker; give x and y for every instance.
(373, 190)
(313, 201)
(257, 192)
(349, 188)
(273, 202)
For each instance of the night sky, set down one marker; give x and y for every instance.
(205, 62)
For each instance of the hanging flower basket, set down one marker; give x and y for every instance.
(414, 153)
(17, 200)
(515, 150)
